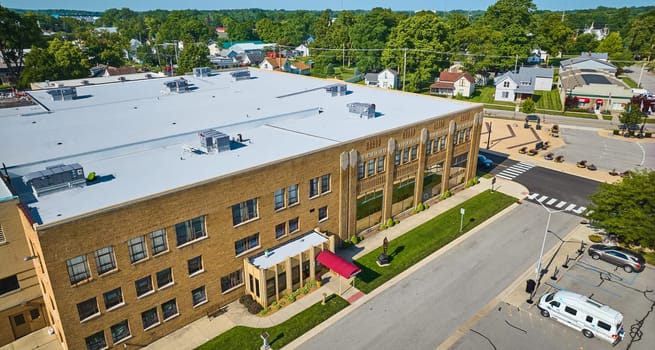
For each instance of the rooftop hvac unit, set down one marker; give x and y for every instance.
(178, 85)
(214, 141)
(363, 109)
(201, 72)
(54, 178)
(240, 75)
(337, 89)
(63, 94)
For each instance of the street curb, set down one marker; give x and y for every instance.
(364, 299)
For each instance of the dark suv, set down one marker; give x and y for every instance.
(627, 259)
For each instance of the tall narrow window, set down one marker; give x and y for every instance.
(198, 296)
(361, 171)
(137, 247)
(279, 199)
(293, 225)
(381, 164)
(468, 134)
(78, 269)
(313, 187)
(405, 155)
(280, 230)
(322, 213)
(191, 230)
(293, 194)
(195, 265)
(428, 149)
(105, 261)
(414, 152)
(2, 235)
(370, 171)
(325, 183)
(244, 211)
(158, 243)
(442, 145)
(396, 159)
(164, 278)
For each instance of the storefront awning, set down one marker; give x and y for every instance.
(599, 101)
(583, 99)
(338, 264)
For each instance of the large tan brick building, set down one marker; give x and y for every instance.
(149, 204)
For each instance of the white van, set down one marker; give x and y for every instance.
(583, 314)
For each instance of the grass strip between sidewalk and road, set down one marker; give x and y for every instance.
(417, 244)
(241, 337)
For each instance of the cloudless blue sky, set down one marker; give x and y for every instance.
(439, 5)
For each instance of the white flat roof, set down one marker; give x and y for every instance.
(290, 248)
(142, 141)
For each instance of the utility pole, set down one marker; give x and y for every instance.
(343, 55)
(641, 74)
(516, 62)
(404, 67)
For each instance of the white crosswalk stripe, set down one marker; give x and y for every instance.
(515, 170)
(556, 203)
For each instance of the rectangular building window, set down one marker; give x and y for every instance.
(246, 244)
(120, 331)
(313, 187)
(293, 194)
(322, 213)
(87, 309)
(9, 284)
(280, 230)
(281, 281)
(137, 247)
(195, 265)
(279, 199)
(143, 286)
(381, 164)
(169, 309)
(405, 155)
(435, 145)
(370, 167)
(428, 148)
(396, 159)
(198, 296)
(231, 281)
(244, 211)
(2, 235)
(442, 144)
(164, 278)
(191, 230)
(150, 318)
(468, 135)
(158, 242)
(113, 298)
(325, 183)
(293, 225)
(105, 261)
(414, 152)
(96, 341)
(78, 269)
(505, 94)
(361, 171)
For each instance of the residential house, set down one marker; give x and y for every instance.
(453, 84)
(388, 79)
(456, 67)
(221, 32)
(250, 58)
(302, 50)
(513, 85)
(299, 67)
(593, 89)
(278, 64)
(537, 56)
(588, 61)
(598, 33)
(371, 79)
(483, 78)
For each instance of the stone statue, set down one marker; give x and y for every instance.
(383, 259)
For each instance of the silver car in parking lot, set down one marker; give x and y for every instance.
(625, 258)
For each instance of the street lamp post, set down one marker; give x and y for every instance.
(543, 243)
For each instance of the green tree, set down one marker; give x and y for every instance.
(514, 19)
(631, 115)
(613, 45)
(371, 31)
(104, 48)
(17, 33)
(61, 60)
(640, 38)
(193, 55)
(528, 106)
(329, 70)
(627, 208)
(552, 34)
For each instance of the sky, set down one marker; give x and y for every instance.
(396, 5)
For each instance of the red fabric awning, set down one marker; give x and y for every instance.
(337, 264)
(599, 101)
(583, 99)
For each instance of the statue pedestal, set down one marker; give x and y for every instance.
(383, 260)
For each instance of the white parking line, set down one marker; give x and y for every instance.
(570, 207)
(542, 199)
(553, 200)
(560, 204)
(533, 196)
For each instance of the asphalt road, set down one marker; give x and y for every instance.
(422, 310)
(647, 78)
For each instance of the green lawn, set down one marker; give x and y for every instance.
(548, 100)
(424, 240)
(631, 83)
(245, 338)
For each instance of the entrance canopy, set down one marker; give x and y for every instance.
(338, 264)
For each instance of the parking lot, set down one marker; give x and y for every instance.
(509, 326)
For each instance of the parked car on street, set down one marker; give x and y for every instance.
(625, 258)
(484, 161)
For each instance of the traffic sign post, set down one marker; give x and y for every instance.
(493, 182)
(461, 221)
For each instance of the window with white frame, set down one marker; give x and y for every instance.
(169, 309)
(150, 318)
(293, 225)
(428, 148)
(231, 281)
(164, 278)
(137, 248)
(370, 167)
(405, 155)
(381, 164)
(158, 242)
(96, 341)
(105, 261)
(279, 199)
(396, 158)
(143, 286)
(87, 309)
(246, 244)
(293, 194)
(280, 230)
(506, 84)
(120, 331)
(78, 269)
(195, 265)
(198, 296)
(322, 213)
(505, 94)
(313, 187)
(113, 298)
(190, 230)
(244, 211)
(325, 183)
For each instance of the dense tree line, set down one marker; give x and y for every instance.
(418, 44)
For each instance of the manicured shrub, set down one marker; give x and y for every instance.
(390, 222)
(595, 238)
(615, 132)
(354, 239)
(255, 308)
(648, 134)
(246, 300)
